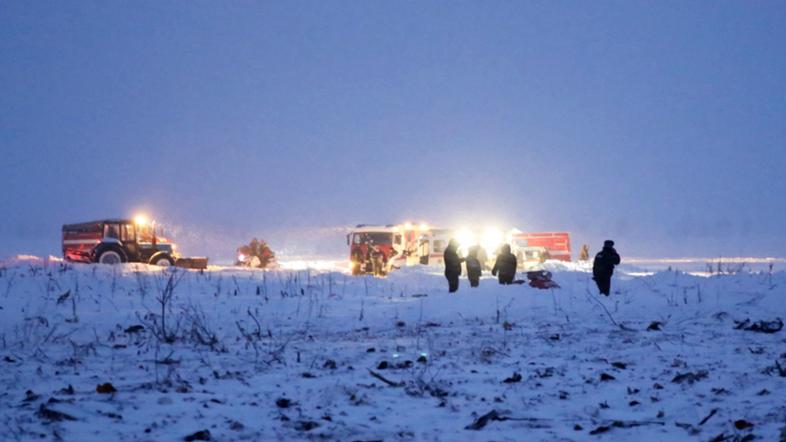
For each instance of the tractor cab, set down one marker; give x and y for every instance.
(151, 242)
(139, 241)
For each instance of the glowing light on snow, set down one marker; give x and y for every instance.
(423, 226)
(407, 226)
(317, 264)
(241, 257)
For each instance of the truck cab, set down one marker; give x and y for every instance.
(376, 249)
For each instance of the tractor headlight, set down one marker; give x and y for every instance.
(140, 220)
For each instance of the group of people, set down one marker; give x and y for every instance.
(506, 264)
(374, 261)
(504, 267)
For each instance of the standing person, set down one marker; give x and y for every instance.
(452, 265)
(505, 266)
(603, 266)
(377, 261)
(473, 266)
(584, 253)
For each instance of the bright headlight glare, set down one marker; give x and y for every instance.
(465, 238)
(140, 220)
(491, 239)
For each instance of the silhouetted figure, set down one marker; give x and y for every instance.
(603, 266)
(505, 266)
(452, 265)
(378, 261)
(584, 253)
(474, 269)
(368, 259)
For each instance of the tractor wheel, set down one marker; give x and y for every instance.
(162, 261)
(111, 256)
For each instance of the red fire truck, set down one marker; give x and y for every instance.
(378, 249)
(115, 241)
(541, 246)
(431, 246)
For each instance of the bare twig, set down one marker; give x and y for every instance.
(385, 380)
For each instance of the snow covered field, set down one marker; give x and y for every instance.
(307, 355)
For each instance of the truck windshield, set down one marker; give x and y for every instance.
(144, 233)
(382, 238)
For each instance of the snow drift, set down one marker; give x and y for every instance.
(134, 352)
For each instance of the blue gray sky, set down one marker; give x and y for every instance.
(659, 124)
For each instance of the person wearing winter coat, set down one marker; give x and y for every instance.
(505, 266)
(474, 268)
(603, 266)
(452, 265)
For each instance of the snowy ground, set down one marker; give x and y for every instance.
(307, 355)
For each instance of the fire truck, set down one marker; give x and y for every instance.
(116, 241)
(432, 245)
(377, 249)
(381, 248)
(532, 248)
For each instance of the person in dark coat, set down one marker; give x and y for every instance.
(505, 266)
(603, 267)
(474, 268)
(452, 265)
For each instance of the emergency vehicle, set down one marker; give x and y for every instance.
(535, 247)
(432, 245)
(377, 249)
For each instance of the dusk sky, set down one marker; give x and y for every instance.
(661, 124)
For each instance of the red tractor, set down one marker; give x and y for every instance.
(116, 241)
